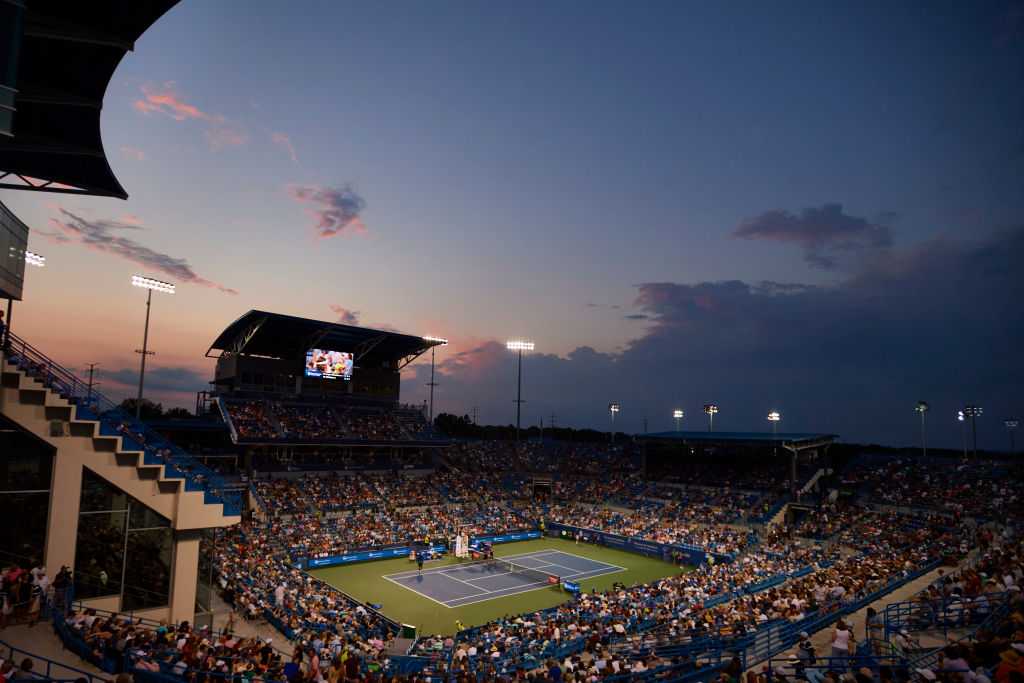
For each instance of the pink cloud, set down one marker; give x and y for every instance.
(133, 152)
(282, 140)
(166, 100)
(107, 236)
(346, 316)
(336, 210)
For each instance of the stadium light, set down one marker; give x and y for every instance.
(519, 345)
(774, 418)
(973, 412)
(677, 415)
(34, 259)
(434, 343)
(710, 409)
(1011, 426)
(613, 409)
(922, 407)
(151, 286)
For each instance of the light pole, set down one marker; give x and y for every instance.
(677, 415)
(973, 412)
(150, 285)
(774, 418)
(1011, 427)
(922, 407)
(963, 430)
(92, 368)
(519, 345)
(711, 410)
(614, 409)
(434, 343)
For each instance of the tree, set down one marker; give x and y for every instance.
(178, 414)
(150, 410)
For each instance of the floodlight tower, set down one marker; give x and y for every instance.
(711, 410)
(774, 418)
(973, 412)
(1011, 426)
(922, 407)
(677, 415)
(613, 409)
(519, 345)
(150, 285)
(963, 431)
(434, 343)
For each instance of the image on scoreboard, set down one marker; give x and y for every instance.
(326, 364)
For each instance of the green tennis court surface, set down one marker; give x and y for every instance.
(393, 585)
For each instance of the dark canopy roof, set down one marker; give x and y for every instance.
(260, 333)
(69, 51)
(743, 438)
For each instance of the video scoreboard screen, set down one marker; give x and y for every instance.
(325, 364)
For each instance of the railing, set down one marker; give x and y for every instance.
(785, 669)
(51, 670)
(135, 434)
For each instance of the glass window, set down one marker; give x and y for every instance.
(24, 541)
(144, 518)
(27, 464)
(147, 572)
(98, 495)
(124, 548)
(99, 553)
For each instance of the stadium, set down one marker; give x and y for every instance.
(306, 522)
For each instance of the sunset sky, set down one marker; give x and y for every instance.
(809, 207)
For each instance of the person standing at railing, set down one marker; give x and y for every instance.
(4, 341)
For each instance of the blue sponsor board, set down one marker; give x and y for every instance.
(691, 553)
(508, 538)
(403, 551)
(366, 555)
(571, 587)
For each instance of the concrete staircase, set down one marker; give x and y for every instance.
(77, 432)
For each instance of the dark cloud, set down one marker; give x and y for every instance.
(825, 233)
(939, 322)
(102, 235)
(636, 316)
(336, 210)
(158, 379)
(345, 316)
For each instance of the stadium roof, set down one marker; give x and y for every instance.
(743, 438)
(68, 52)
(259, 333)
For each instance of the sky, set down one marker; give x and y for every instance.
(807, 207)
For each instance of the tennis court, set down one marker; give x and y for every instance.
(465, 584)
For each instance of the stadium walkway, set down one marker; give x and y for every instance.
(822, 640)
(41, 641)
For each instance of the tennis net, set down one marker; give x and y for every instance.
(537, 575)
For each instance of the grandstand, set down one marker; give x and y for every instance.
(311, 526)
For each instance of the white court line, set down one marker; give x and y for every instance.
(416, 592)
(493, 595)
(534, 586)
